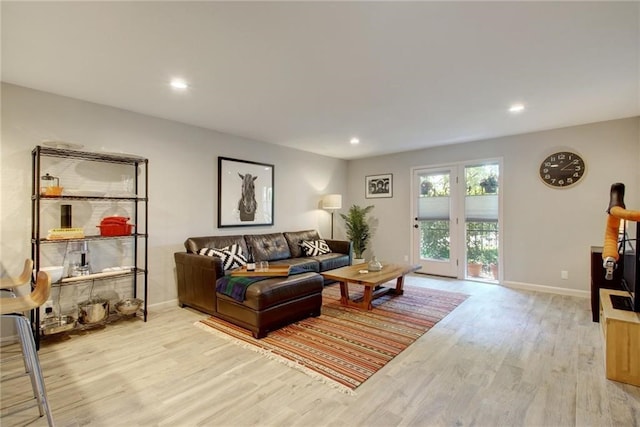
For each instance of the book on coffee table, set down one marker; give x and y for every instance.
(273, 270)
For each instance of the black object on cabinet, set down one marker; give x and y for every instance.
(137, 198)
(598, 281)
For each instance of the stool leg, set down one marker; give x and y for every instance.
(31, 356)
(28, 361)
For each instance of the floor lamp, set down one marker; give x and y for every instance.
(332, 202)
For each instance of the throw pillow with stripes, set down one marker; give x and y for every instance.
(231, 256)
(315, 247)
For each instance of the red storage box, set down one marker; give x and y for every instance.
(115, 226)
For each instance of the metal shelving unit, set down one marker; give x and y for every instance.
(138, 204)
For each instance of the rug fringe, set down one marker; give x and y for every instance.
(270, 355)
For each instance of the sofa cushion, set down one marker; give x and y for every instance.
(231, 256)
(331, 261)
(270, 292)
(315, 247)
(268, 247)
(294, 238)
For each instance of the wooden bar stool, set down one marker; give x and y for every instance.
(14, 308)
(9, 283)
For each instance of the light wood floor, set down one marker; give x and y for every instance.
(502, 358)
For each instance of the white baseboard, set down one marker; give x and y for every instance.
(546, 289)
(163, 304)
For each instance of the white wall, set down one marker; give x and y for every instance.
(545, 230)
(182, 175)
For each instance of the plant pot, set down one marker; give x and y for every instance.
(494, 270)
(356, 261)
(474, 269)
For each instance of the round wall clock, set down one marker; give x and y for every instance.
(562, 169)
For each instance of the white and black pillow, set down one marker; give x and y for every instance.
(231, 256)
(315, 247)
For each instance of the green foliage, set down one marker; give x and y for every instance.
(358, 230)
(482, 243)
(435, 185)
(435, 240)
(489, 184)
(489, 256)
(481, 179)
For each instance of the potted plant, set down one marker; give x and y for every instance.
(474, 269)
(490, 258)
(489, 184)
(474, 256)
(357, 230)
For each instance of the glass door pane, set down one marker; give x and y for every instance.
(481, 220)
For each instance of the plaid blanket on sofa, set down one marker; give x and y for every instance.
(236, 286)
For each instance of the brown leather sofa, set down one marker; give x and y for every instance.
(271, 303)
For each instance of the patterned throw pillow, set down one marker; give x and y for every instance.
(315, 247)
(231, 256)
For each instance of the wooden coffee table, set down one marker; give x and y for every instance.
(371, 281)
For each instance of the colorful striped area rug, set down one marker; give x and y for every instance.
(345, 346)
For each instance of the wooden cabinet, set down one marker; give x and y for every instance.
(621, 334)
(89, 222)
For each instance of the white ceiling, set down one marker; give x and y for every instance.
(310, 75)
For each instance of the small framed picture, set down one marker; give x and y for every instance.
(378, 186)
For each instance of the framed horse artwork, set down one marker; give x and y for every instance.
(245, 193)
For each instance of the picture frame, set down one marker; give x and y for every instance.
(378, 186)
(245, 193)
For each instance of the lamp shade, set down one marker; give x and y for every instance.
(332, 201)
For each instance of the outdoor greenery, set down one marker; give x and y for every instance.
(482, 242)
(435, 240)
(434, 185)
(489, 184)
(358, 230)
(481, 180)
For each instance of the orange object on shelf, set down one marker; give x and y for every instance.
(52, 191)
(115, 226)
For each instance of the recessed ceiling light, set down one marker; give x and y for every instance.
(516, 108)
(355, 141)
(179, 84)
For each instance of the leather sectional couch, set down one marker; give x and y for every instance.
(270, 303)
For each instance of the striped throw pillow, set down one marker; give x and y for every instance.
(315, 247)
(231, 256)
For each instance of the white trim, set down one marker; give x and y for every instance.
(547, 289)
(164, 304)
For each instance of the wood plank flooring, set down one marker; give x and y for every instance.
(503, 358)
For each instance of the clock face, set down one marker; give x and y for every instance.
(562, 169)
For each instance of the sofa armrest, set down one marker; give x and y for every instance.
(197, 275)
(341, 247)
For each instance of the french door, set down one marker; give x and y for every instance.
(456, 220)
(435, 238)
